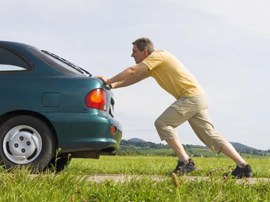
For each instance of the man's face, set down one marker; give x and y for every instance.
(138, 55)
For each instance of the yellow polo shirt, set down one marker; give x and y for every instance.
(172, 75)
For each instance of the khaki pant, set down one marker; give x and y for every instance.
(195, 110)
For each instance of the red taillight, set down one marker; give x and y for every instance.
(96, 99)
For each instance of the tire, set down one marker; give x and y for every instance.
(26, 140)
(58, 164)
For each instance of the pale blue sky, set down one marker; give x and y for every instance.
(225, 44)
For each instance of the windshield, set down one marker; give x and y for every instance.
(68, 65)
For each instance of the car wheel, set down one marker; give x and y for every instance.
(26, 140)
(58, 164)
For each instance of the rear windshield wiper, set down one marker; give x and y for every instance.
(79, 69)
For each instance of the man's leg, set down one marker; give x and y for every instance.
(178, 149)
(230, 151)
(204, 129)
(166, 124)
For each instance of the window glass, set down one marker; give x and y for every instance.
(58, 62)
(4, 67)
(9, 61)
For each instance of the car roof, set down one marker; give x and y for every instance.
(35, 61)
(14, 44)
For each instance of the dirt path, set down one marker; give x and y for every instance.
(121, 178)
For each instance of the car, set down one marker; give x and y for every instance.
(52, 110)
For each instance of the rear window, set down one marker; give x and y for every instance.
(9, 61)
(58, 62)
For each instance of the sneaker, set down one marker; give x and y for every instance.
(242, 172)
(183, 168)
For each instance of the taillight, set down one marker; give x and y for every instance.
(96, 99)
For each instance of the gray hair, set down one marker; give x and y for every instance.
(144, 43)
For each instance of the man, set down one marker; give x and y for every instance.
(191, 104)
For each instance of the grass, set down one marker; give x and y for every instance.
(70, 185)
(152, 165)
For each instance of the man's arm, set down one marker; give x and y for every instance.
(127, 74)
(130, 81)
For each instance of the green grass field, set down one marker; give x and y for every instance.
(18, 185)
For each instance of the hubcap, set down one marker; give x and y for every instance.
(22, 144)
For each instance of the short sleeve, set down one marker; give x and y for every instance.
(153, 60)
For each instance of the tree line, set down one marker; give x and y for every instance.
(137, 147)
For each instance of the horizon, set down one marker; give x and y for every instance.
(198, 145)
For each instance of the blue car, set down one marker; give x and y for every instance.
(49, 107)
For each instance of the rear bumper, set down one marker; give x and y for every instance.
(86, 132)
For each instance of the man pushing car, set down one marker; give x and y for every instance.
(191, 104)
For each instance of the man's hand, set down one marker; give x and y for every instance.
(103, 78)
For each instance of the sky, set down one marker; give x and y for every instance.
(225, 44)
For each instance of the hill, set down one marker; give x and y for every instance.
(238, 145)
(136, 146)
(136, 140)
